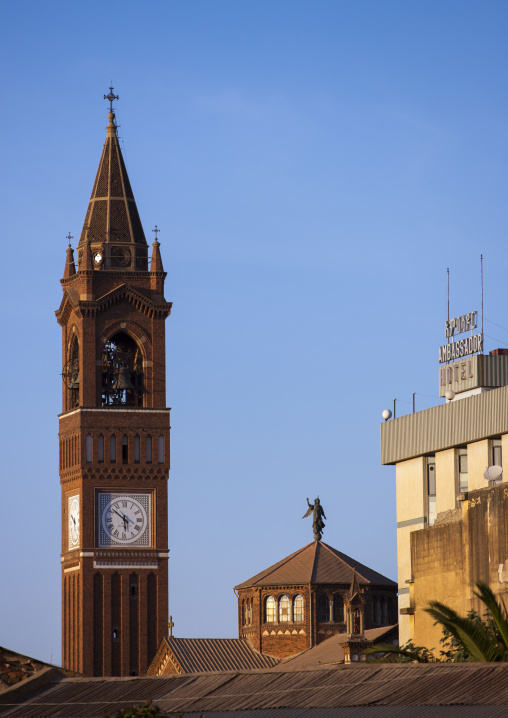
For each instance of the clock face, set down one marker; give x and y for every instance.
(124, 519)
(97, 257)
(73, 509)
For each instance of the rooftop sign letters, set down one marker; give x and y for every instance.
(463, 347)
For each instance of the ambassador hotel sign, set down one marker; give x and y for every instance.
(457, 349)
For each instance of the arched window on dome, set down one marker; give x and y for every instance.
(298, 609)
(270, 608)
(284, 609)
(338, 608)
(323, 609)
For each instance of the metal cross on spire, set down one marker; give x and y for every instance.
(156, 230)
(69, 237)
(111, 97)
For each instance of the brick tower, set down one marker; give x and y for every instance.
(114, 435)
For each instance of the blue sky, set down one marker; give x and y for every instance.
(314, 168)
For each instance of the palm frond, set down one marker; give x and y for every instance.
(496, 607)
(476, 639)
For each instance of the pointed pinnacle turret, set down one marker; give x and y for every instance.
(156, 265)
(355, 586)
(70, 266)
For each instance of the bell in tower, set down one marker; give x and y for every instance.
(114, 434)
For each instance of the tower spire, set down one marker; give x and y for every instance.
(112, 219)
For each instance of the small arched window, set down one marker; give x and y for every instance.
(148, 449)
(125, 449)
(100, 449)
(136, 449)
(284, 609)
(270, 607)
(160, 449)
(338, 609)
(298, 609)
(112, 449)
(249, 612)
(88, 446)
(323, 609)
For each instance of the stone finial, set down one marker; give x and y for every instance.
(70, 266)
(156, 265)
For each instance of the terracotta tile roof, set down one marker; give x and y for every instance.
(331, 651)
(317, 563)
(203, 655)
(267, 693)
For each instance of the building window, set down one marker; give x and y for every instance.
(160, 450)
(497, 453)
(136, 449)
(270, 607)
(284, 609)
(463, 470)
(112, 449)
(148, 449)
(431, 491)
(88, 446)
(125, 449)
(298, 609)
(323, 609)
(247, 612)
(338, 609)
(100, 449)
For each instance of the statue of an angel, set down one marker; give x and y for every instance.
(317, 518)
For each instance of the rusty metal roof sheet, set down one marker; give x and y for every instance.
(452, 684)
(202, 655)
(317, 563)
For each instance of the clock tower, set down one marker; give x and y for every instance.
(113, 434)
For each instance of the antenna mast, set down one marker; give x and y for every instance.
(481, 284)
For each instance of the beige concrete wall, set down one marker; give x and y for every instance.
(446, 471)
(477, 461)
(411, 513)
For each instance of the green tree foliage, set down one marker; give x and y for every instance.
(146, 711)
(469, 638)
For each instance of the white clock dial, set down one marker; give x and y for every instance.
(97, 258)
(124, 519)
(73, 509)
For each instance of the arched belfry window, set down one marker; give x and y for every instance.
(137, 447)
(284, 609)
(270, 609)
(70, 373)
(298, 609)
(160, 449)
(122, 372)
(148, 449)
(125, 449)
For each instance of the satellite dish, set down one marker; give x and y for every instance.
(493, 473)
(387, 414)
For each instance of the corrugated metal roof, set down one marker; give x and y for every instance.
(201, 655)
(461, 421)
(466, 684)
(316, 563)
